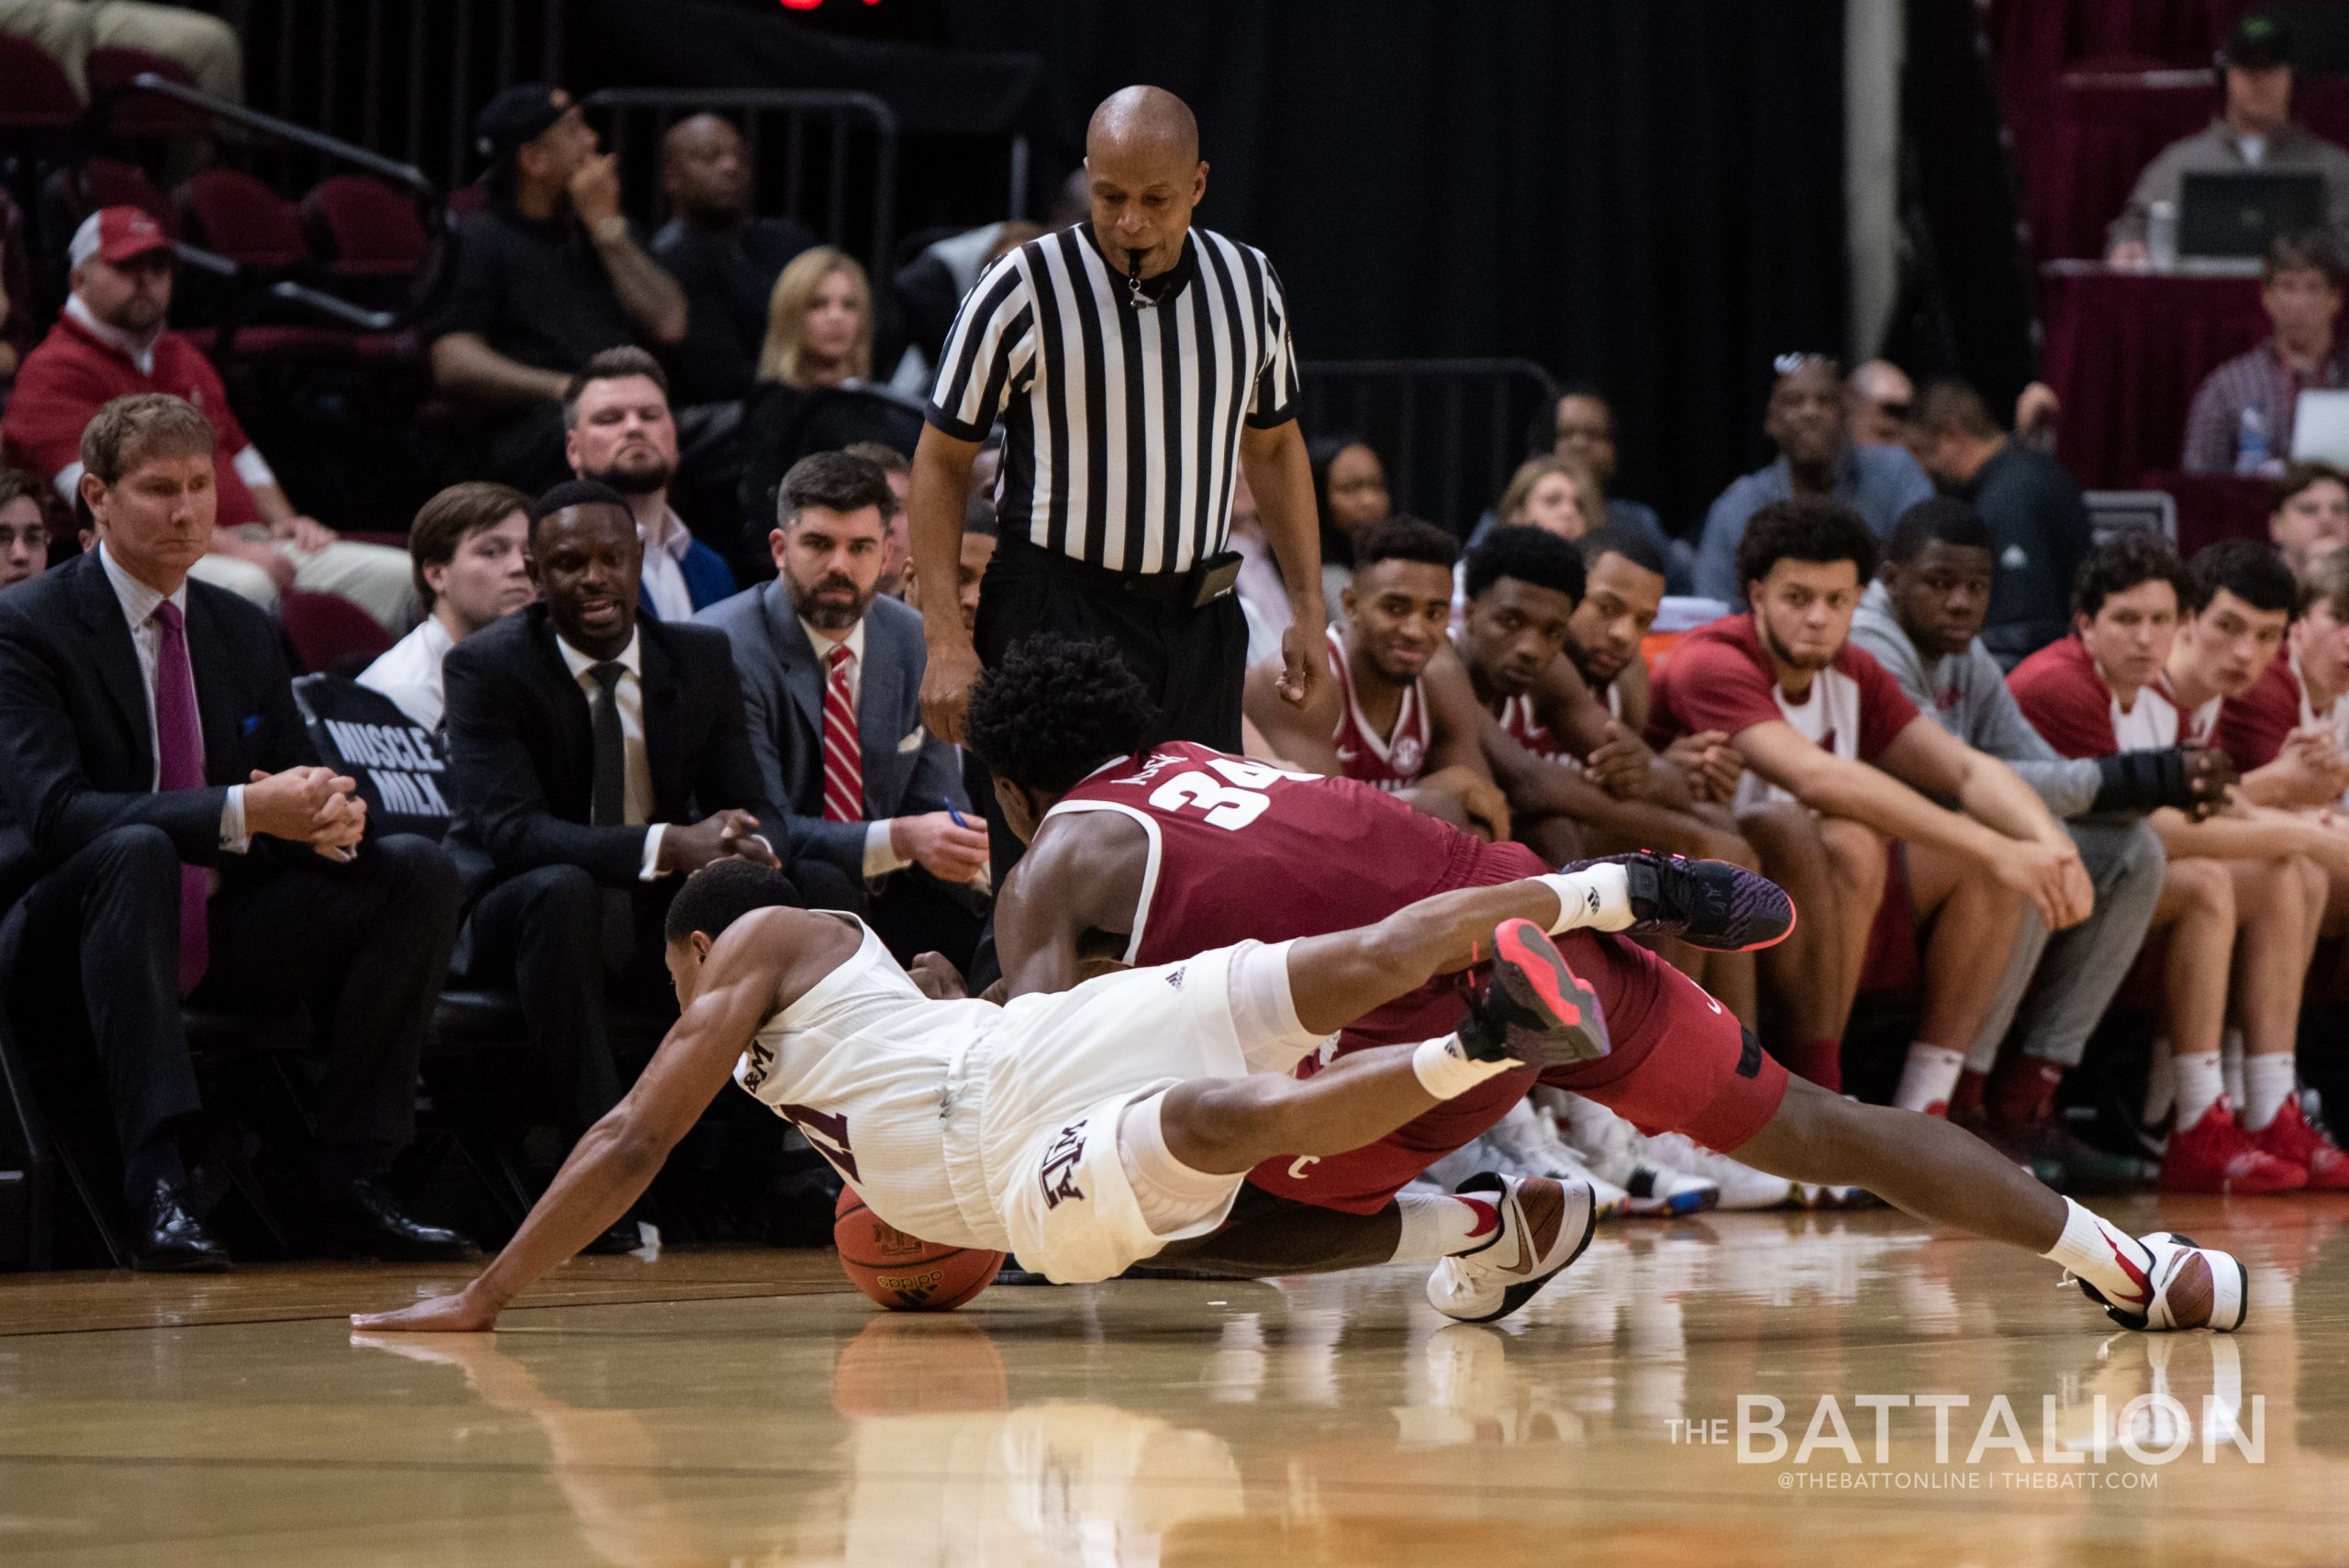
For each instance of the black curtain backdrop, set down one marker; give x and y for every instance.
(1644, 193)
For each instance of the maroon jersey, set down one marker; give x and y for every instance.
(1520, 722)
(1242, 850)
(1391, 761)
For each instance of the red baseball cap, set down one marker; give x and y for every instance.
(116, 234)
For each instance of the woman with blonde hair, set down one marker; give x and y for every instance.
(1554, 493)
(815, 386)
(820, 322)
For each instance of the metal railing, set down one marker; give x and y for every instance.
(422, 68)
(838, 163)
(329, 150)
(1449, 432)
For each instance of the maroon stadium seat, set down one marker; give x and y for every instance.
(365, 227)
(329, 633)
(241, 218)
(41, 96)
(74, 194)
(137, 114)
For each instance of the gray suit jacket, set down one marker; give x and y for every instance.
(907, 771)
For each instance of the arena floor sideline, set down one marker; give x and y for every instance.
(746, 1407)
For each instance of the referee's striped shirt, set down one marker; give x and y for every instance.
(1121, 423)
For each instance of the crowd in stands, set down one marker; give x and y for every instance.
(2028, 780)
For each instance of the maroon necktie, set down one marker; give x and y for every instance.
(843, 753)
(179, 751)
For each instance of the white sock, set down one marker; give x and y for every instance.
(1439, 1226)
(2230, 1052)
(1929, 1079)
(1445, 1070)
(2093, 1250)
(2200, 1084)
(2266, 1083)
(1595, 898)
(2160, 1085)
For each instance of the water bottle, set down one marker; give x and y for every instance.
(2251, 441)
(2161, 235)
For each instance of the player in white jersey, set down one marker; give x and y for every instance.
(1083, 1129)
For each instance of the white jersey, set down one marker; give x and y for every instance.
(970, 1125)
(859, 1066)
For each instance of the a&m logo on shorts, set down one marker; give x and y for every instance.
(1057, 1177)
(1407, 755)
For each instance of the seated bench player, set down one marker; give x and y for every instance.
(1523, 588)
(1150, 855)
(1921, 619)
(2296, 707)
(1089, 1128)
(1394, 715)
(2234, 903)
(1820, 722)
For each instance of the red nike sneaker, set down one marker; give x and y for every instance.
(2215, 1155)
(2292, 1138)
(1533, 1008)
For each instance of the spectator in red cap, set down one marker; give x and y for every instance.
(111, 343)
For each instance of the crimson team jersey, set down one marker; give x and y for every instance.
(1242, 850)
(1519, 721)
(2253, 726)
(1392, 761)
(1719, 678)
(2064, 694)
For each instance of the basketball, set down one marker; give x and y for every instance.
(906, 1274)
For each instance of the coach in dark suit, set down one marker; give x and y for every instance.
(595, 758)
(179, 840)
(831, 676)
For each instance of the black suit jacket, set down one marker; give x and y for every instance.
(521, 750)
(77, 751)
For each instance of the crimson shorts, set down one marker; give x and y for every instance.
(1678, 1061)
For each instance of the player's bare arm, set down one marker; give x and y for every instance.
(1616, 759)
(1837, 786)
(1081, 879)
(1301, 734)
(766, 963)
(1456, 723)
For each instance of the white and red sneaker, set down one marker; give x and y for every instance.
(2293, 1139)
(2186, 1288)
(2215, 1155)
(1544, 1227)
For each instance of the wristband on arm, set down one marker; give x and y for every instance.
(2144, 781)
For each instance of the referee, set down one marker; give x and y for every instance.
(1136, 364)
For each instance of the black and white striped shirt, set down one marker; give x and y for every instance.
(1122, 423)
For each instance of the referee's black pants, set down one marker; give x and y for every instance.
(1193, 659)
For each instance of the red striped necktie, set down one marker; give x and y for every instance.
(843, 753)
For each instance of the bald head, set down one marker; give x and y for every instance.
(705, 171)
(1880, 401)
(1143, 172)
(1151, 117)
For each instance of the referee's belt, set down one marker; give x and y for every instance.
(1205, 582)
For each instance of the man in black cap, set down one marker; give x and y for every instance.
(548, 274)
(2255, 130)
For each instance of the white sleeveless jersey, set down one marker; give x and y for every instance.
(859, 1066)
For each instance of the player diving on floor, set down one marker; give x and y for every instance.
(1083, 1129)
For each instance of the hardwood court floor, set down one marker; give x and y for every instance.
(706, 1410)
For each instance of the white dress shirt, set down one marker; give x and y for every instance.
(409, 672)
(628, 695)
(138, 605)
(664, 573)
(881, 856)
